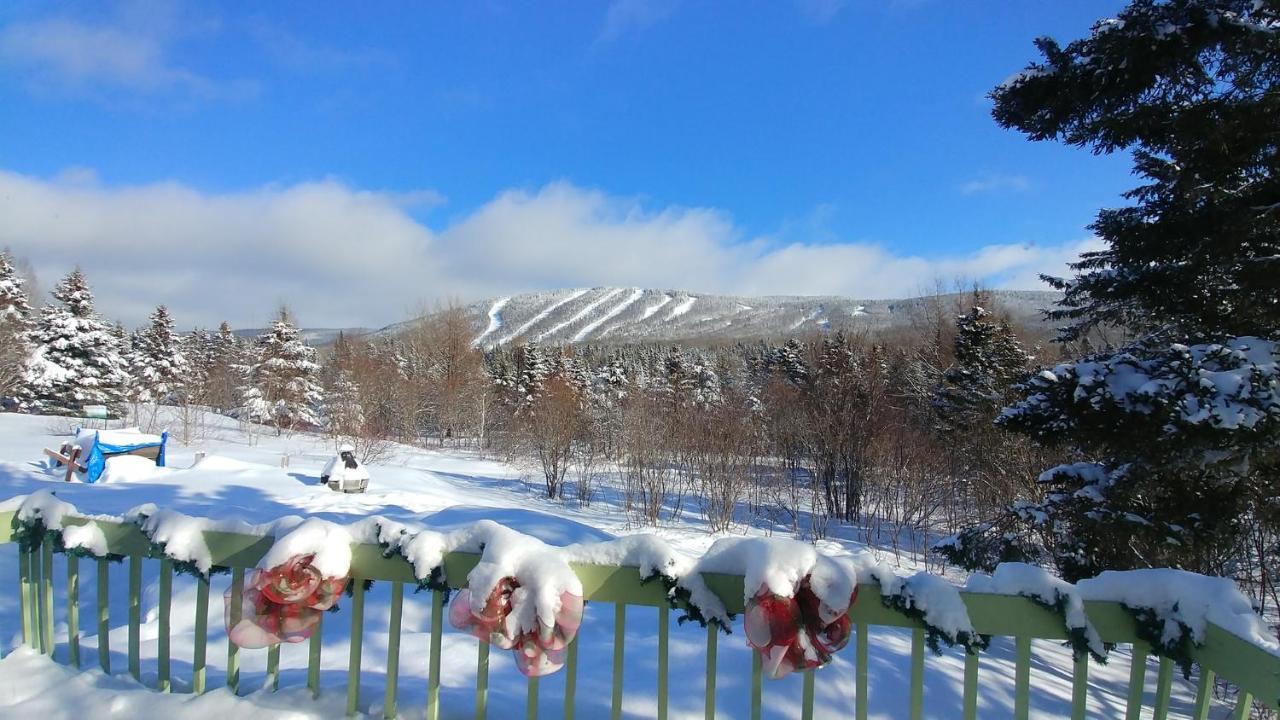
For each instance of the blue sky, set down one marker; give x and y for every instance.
(482, 148)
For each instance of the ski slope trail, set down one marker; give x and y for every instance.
(684, 307)
(817, 313)
(636, 294)
(585, 311)
(543, 315)
(653, 309)
(495, 320)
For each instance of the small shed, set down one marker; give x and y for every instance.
(98, 445)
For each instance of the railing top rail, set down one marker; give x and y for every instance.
(1231, 657)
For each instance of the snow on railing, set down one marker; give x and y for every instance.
(800, 606)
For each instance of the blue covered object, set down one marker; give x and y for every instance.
(97, 445)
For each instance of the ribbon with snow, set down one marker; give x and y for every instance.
(497, 619)
(282, 604)
(521, 596)
(800, 632)
(300, 577)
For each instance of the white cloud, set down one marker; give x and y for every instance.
(625, 16)
(131, 52)
(995, 182)
(341, 256)
(820, 12)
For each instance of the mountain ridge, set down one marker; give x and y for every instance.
(609, 314)
(633, 314)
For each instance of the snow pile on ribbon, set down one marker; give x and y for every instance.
(300, 577)
(522, 596)
(797, 600)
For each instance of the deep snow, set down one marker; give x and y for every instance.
(241, 484)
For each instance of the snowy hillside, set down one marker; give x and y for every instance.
(610, 314)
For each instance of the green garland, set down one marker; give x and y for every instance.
(1077, 637)
(1150, 627)
(681, 599)
(934, 635)
(435, 581)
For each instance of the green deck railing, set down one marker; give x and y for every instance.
(1255, 672)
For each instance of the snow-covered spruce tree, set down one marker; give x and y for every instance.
(16, 347)
(534, 366)
(78, 358)
(989, 360)
(157, 362)
(283, 379)
(1177, 432)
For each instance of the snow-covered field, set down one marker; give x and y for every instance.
(439, 489)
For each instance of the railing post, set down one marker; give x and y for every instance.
(709, 702)
(571, 681)
(1137, 682)
(619, 641)
(73, 610)
(26, 597)
(433, 667)
(202, 636)
(482, 680)
(313, 658)
(46, 594)
(970, 685)
(1022, 679)
(233, 650)
(664, 630)
(393, 651)
(135, 615)
(162, 641)
(357, 638)
(104, 620)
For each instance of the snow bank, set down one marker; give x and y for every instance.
(130, 468)
(88, 537)
(650, 553)
(180, 537)
(34, 686)
(932, 599)
(1182, 598)
(85, 437)
(44, 508)
(1038, 584)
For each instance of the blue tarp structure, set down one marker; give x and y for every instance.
(95, 448)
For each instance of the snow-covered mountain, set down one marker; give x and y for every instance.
(316, 337)
(612, 314)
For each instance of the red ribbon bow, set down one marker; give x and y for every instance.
(795, 633)
(539, 651)
(282, 604)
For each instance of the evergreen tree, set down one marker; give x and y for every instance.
(1177, 432)
(283, 379)
(789, 360)
(535, 368)
(77, 360)
(16, 326)
(989, 360)
(158, 365)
